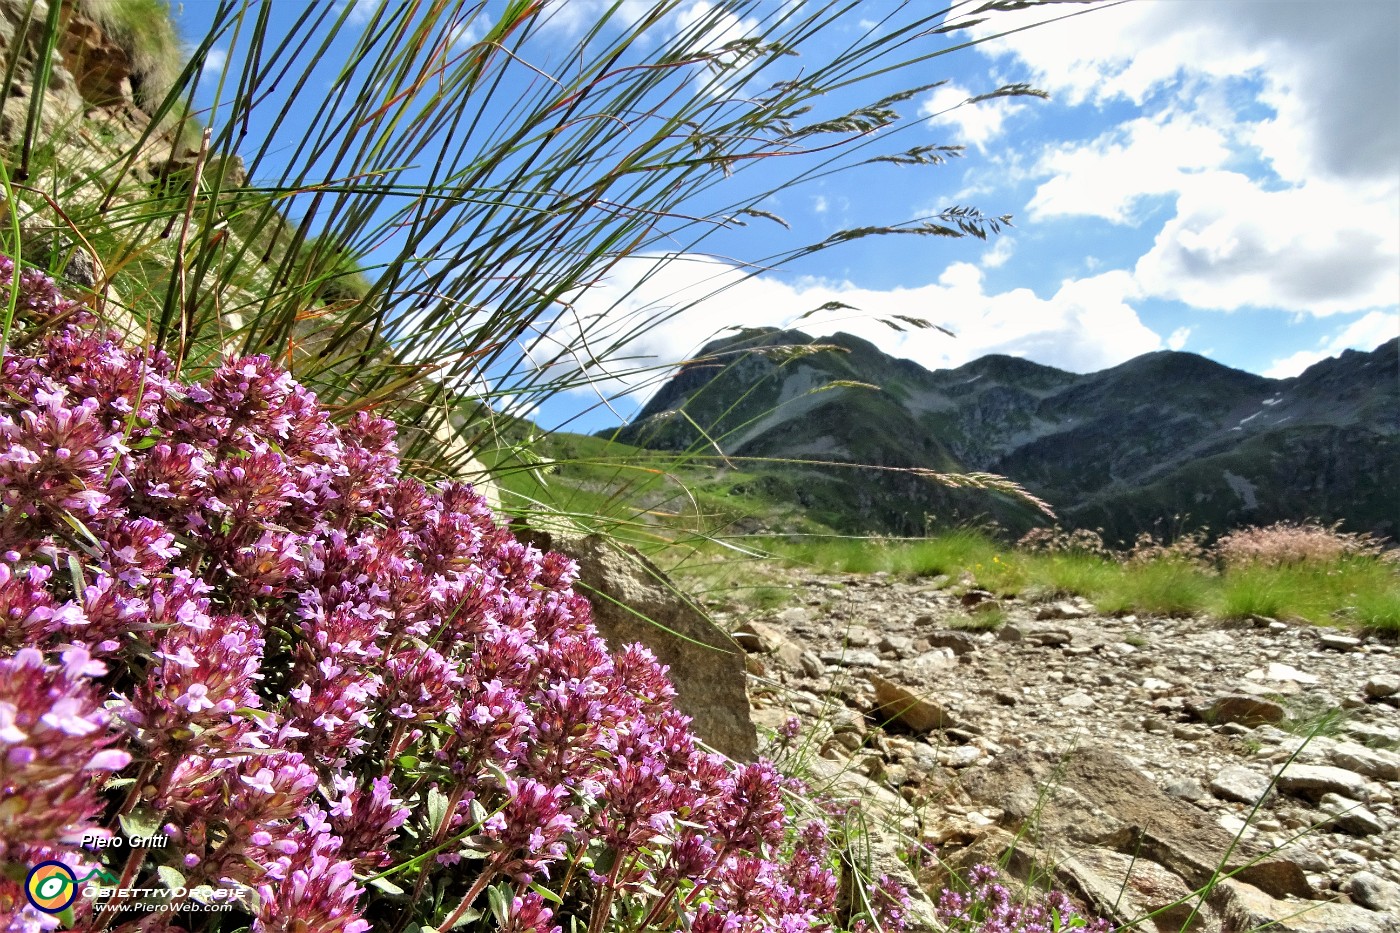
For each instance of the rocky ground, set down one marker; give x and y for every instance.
(1129, 757)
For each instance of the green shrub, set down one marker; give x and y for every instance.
(1164, 587)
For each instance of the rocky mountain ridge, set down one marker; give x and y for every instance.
(1126, 759)
(1129, 449)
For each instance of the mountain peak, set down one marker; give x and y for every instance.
(1162, 435)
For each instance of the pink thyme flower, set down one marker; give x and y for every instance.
(54, 738)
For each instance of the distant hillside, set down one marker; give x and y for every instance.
(1163, 440)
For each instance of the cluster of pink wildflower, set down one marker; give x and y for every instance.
(227, 617)
(1291, 543)
(988, 906)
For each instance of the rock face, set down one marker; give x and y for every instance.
(1093, 797)
(1127, 759)
(634, 601)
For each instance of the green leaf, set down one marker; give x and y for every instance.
(387, 886)
(546, 893)
(169, 877)
(261, 715)
(75, 573)
(437, 807)
(500, 897)
(141, 823)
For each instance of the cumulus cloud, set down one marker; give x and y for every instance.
(1177, 339)
(214, 61)
(999, 253)
(1332, 116)
(974, 124)
(570, 18)
(1365, 333)
(1141, 158)
(1316, 248)
(666, 309)
(1223, 89)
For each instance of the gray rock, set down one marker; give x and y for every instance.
(1338, 642)
(1060, 610)
(857, 657)
(1096, 797)
(844, 719)
(914, 710)
(901, 645)
(973, 598)
(1372, 762)
(931, 662)
(959, 756)
(1240, 785)
(1312, 781)
(1186, 789)
(1375, 893)
(794, 615)
(48, 247)
(1050, 638)
(1371, 734)
(1246, 908)
(960, 643)
(1381, 686)
(1288, 673)
(634, 601)
(1078, 700)
(1237, 707)
(1350, 816)
(1123, 889)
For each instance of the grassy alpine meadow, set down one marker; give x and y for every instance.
(1336, 579)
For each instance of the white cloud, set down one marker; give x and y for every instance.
(1218, 90)
(1178, 338)
(819, 204)
(573, 17)
(1329, 72)
(1141, 158)
(1085, 326)
(976, 124)
(1365, 333)
(361, 11)
(1322, 248)
(214, 61)
(1000, 252)
(467, 32)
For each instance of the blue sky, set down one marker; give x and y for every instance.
(1216, 176)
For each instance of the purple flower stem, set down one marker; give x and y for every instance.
(135, 793)
(659, 908)
(602, 904)
(477, 887)
(138, 853)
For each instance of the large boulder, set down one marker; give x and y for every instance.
(1246, 909)
(1097, 798)
(634, 601)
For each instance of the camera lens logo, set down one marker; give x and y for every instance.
(51, 887)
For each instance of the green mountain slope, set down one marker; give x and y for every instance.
(1161, 440)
